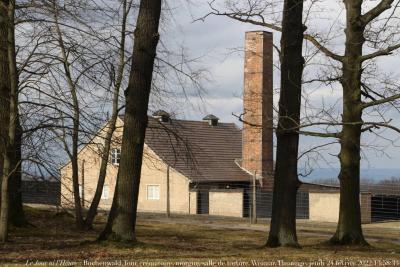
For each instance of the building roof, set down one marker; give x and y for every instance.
(197, 150)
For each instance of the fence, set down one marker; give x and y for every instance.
(379, 201)
(41, 192)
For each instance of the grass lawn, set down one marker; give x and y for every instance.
(190, 241)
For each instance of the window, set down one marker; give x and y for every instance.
(115, 156)
(80, 191)
(153, 192)
(106, 192)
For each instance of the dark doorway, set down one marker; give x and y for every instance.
(202, 202)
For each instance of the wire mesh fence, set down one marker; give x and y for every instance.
(380, 201)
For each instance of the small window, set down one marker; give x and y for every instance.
(80, 191)
(106, 192)
(153, 192)
(115, 156)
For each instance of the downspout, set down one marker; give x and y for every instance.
(168, 195)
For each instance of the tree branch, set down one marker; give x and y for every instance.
(380, 101)
(383, 52)
(324, 135)
(247, 18)
(376, 11)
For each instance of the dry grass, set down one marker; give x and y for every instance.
(185, 239)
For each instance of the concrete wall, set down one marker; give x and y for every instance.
(193, 202)
(324, 206)
(154, 172)
(226, 203)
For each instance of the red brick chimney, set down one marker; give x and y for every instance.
(257, 149)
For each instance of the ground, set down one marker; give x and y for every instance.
(185, 240)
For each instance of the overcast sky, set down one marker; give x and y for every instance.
(218, 42)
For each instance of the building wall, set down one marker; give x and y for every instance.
(89, 160)
(226, 203)
(324, 207)
(193, 202)
(154, 172)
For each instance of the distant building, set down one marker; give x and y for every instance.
(208, 167)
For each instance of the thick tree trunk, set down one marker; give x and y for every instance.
(349, 229)
(17, 215)
(4, 84)
(110, 220)
(283, 221)
(8, 163)
(135, 122)
(108, 138)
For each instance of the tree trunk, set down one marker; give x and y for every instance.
(102, 174)
(17, 215)
(4, 84)
(108, 139)
(135, 122)
(349, 230)
(8, 163)
(76, 122)
(283, 221)
(111, 216)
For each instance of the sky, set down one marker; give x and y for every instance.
(218, 42)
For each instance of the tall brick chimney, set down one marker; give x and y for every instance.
(257, 148)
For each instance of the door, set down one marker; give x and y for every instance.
(202, 202)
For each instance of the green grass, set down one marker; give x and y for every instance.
(199, 239)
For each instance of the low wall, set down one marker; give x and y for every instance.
(324, 206)
(226, 202)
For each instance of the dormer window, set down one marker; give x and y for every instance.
(115, 156)
(211, 119)
(162, 115)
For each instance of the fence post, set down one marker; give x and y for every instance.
(168, 194)
(83, 184)
(254, 202)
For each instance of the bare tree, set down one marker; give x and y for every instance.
(126, 7)
(9, 164)
(17, 214)
(373, 28)
(123, 219)
(5, 83)
(286, 183)
(4, 111)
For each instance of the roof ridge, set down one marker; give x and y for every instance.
(188, 120)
